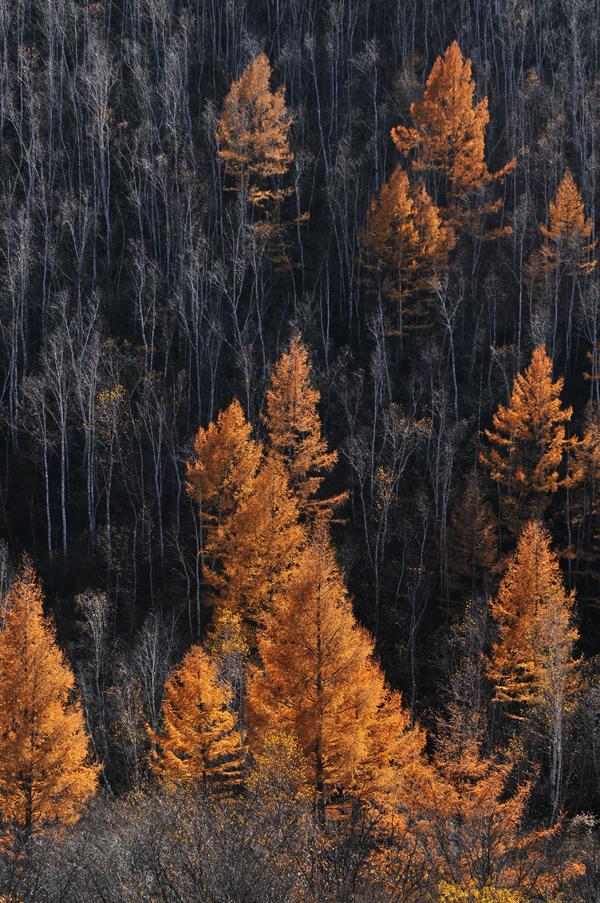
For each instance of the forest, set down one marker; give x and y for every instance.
(299, 451)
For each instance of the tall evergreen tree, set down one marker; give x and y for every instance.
(318, 682)
(528, 444)
(46, 776)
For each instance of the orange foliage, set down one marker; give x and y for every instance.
(532, 661)
(279, 774)
(406, 239)
(294, 426)
(568, 244)
(463, 828)
(528, 443)
(472, 830)
(199, 744)
(448, 132)
(253, 133)
(223, 471)
(319, 683)
(46, 777)
(260, 546)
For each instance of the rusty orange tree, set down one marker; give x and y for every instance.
(528, 445)
(253, 135)
(46, 776)
(447, 137)
(294, 429)
(318, 682)
(198, 745)
(408, 244)
(532, 662)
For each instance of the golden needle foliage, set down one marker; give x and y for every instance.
(447, 137)
(472, 829)
(407, 241)
(532, 662)
(46, 776)
(319, 683)
(567, 237)
(294, 427)
(250, 518)
(253, 134)
(261, 545)
(223, 472)
(528, 444)
(198, 744)
(470, 893)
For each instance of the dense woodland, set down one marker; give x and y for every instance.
(300, 451)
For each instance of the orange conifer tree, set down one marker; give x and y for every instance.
(473, 831)
(262, 545)
(253, 134)
(532, 662)
(565, 255)
(568, 241)
(466, 828)
(198, 744)
(448, 133)
(222, 473)
(294, 427)
(319, 683)
(407, 241)
(46, 776)
(528, 443)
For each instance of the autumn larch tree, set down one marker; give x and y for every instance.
(261, 545)
(473, 829)
(528, 444)
(46, 776)
(253, 134)
(406, 241)
(568, 240)
(222, 474)
(447, 137)
(532, 662)
(468, 823)
(318, 682)
(198, 744)
(566, 252)
(294, 430)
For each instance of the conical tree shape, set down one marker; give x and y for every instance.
(448, 132)
(294, 427)
(568, 243)
(198, 744)
(406, 240)
(223, 472)
(262, 545)
(533, 657)
(319, 683)
(528, 444)
(46, 776)
(253, 133)
(532, 662)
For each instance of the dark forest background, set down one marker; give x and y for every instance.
(136, 301)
